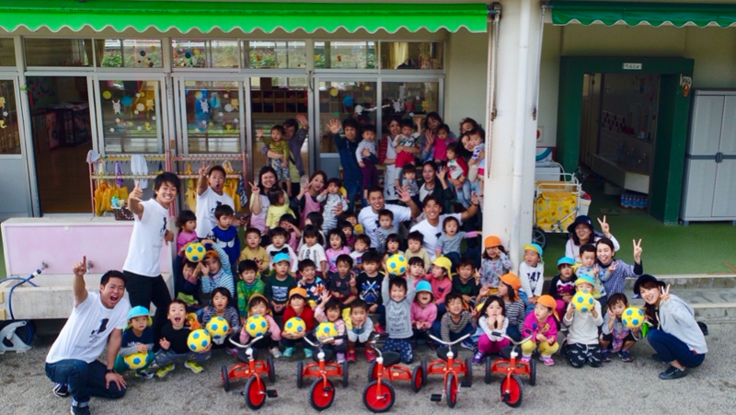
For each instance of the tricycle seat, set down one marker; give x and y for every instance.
(506, 352)
(329, 355)
(442, 352)
(391, 358)
(243, 357)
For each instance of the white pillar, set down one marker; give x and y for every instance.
(509, 179)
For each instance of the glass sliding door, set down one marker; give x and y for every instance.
(212, 116)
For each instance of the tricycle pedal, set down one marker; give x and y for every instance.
(436, 397)
(272, 394)
(466, 384)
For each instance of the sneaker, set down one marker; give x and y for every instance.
(61, 390)
(288, 352)
(547, 360)
(307, 352)
(672, 373)
(657, 358)
(144, 374)
(378, 329)
(340, 358)
(275, 352)
(625, 356)
(468, 344)
(605, 356)
(478, 358)
(351, 356)
(165, 370)
(370, 355)
(231, 351)
(193, 366)
(526, 358)
(80, 410)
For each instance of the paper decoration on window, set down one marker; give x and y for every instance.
(148, 126)
(348, 101)
(126, 101)
(140, 107)
(107, 95)
(205, 106)
(235, 103)
(116, 107)
(228, 107)
(334, 92)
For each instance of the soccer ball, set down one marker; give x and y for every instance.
(295, 325)
(584, 302)
(396, 264)
(325, 330)
(195, 252)
(217, 327)
(198, 340)
(135, 360)
(632, 317)
(256, 325)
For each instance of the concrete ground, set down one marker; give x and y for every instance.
(617, 387)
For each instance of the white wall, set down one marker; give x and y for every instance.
(466, 75)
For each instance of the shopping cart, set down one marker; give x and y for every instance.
(556, 205)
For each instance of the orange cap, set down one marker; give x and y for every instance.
(298, 291)
(212, 254)
(491, 241)
(512, 280)
(547, 301)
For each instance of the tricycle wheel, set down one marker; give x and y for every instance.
(372, 371)
(512, 390)
(451, 389)
(539, 237)
(489, 365)
(532, 372)
(424, 372)
(469, 370)
(345, 379)
(321, 394)
(271, 370)
(417, 378)
(225, 379)
(379, 403)
(254, 393)
(299, 374)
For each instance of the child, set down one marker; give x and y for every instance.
(508, 286)
(457, 322)
(362, 243)
(137, 338)
(277, 208)
(368, 283)
(210, 194)
(476, 164)
(316, 219)
(458, 173)
(313, 251)
(449, 243)
(409, 184)
(290, 223)
(562, 286)
(279, 154)
(332, 199)
(531, 274)
(441, 142)
(368, 163)
(279, 236)
(215, 269)
(258, 305)
(464, 283)
(495, 262)
(329, 310)
(441, 282)
(349, 232)
(187, 224)
(399, 295)
(407, 138)
(360, 332)
(312, 284)
(416, 269)
(342, 283)
(393, 242)
(248, 285)
(189, 285)
(385, 228)
(254, 251)
(280, 283)
(493, 323)
(582, 340)
(226, 236)
(221, 306)
(542, 326)
(337, 248)
(423, 313)
(415, 240)
(297, 307)
(614, 330)
(174, 348)
(588, 267)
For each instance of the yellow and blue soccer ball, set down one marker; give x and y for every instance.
(396, 264)
(325, 331)
(256, 325)
(583, 301)
(195, 252)
(136, 360)
(217, 327)
(295, 325)
(198, 340)
(632, 317)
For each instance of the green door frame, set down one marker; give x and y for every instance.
(672, 122)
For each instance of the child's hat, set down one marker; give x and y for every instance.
(549, 302)
(424, 286)
(211, 254)
(137, 311)
(445, 263)
(512, 280)
(491, 241)
(281, 257)
(565, 260)
(534, 247)
(301, 292)
(586, 279)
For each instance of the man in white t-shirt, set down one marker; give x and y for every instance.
(368, 216)
(431, 227)
(97, 319)
(142, 268)
(209, 197)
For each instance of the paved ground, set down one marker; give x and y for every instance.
(627, 387)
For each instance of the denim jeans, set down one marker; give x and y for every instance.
(167, 357)
(354, 190)
(670, 348)
(463, 194)
(84, 380)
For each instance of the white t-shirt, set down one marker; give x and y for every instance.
(206, 204)
(390, 174)
(432, 233)
(85, 334)
(369, 220)
(147, 240)
(316, 253)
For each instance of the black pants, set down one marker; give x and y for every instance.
(579, 354)
(146, 290)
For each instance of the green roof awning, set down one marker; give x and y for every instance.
(205, 16)
(633, 14)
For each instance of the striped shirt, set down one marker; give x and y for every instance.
(615, 281)
(447, 325)
(515, 314)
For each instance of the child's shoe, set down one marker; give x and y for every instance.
(351, 356)
(526, 358)
(80, 410)
(605, 357)
(193, 366)
(144, 374)
(340, 358)
(625, 356)
(288, 352)
(468, 344)
(276, 353)
(307, 352)
(478, 358)
(231, 351)
(370, 355)
(61, 390)
(378, 329)
(547, 360)
(164, 371)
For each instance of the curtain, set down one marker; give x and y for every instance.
(398, 54)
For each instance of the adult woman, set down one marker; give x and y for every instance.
(387, 158)
(306, 200)
(673, 334)
(428, 186)
(582, 232)
(426, 143)
(259, 205)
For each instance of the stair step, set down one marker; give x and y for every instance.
(707, 303)
(693, 281)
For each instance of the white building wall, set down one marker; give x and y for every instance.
(466, 74)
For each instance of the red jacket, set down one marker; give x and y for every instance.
(307, 315)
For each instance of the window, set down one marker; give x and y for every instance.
(345, 99)
(412, 55)
(345, 55)
(128, 53)
(275, 55)
(197, 53)
(130, 114)
(9, 135)
(213, 116)
(7, 52)
(58, 52)
(410, 98)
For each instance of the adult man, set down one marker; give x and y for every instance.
(295, 136)
(346, 146)
(431, 227)
(72, 361)
(368, 216)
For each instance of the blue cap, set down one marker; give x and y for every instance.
(424, 286)
(565, 260)
(281, 257)
(137, 311)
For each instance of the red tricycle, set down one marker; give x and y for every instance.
(250, 367)
(322, 392)
(379, 395)
(450, 369)
(512, 388)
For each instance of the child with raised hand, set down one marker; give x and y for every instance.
(337, 248)
(495, 262)
(562, 286)
(588, 267)
(189, 285)
(415, 242)
(280, 283)
(448, 244)
(297, 307)
(312, 250)
(362, 245)
(399, 295)
(582, 345)
(290, 223)
(531, 274)
(360, 331)
(210, 194)
(332, 199)
(137, 338)
(458, 174)
(258, 305)
(508, 286)
(174, 348)
(614, 331)
(330, 311)
(279, 236)
(542, 326)
(441, 282)
(278, 207)
(215, 270)
(385, 228)
(186, 221)
(225, 235)
(464, 283)
(312, 284)
(457, 322)
(423, 313)
(342, 283)
(248, 285)
(367, 163)
(279, 153)
(254, 251)
(493, 323)
(221, 306)
(409, 181)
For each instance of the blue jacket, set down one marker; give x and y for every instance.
(346, 148)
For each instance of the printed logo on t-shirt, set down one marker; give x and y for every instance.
(162, 231)
(95, 334)
(212, 211)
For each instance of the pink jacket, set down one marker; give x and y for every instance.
(439, 289)
(319, 315)
(273, 328)
(427, 314)
(531, 326)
